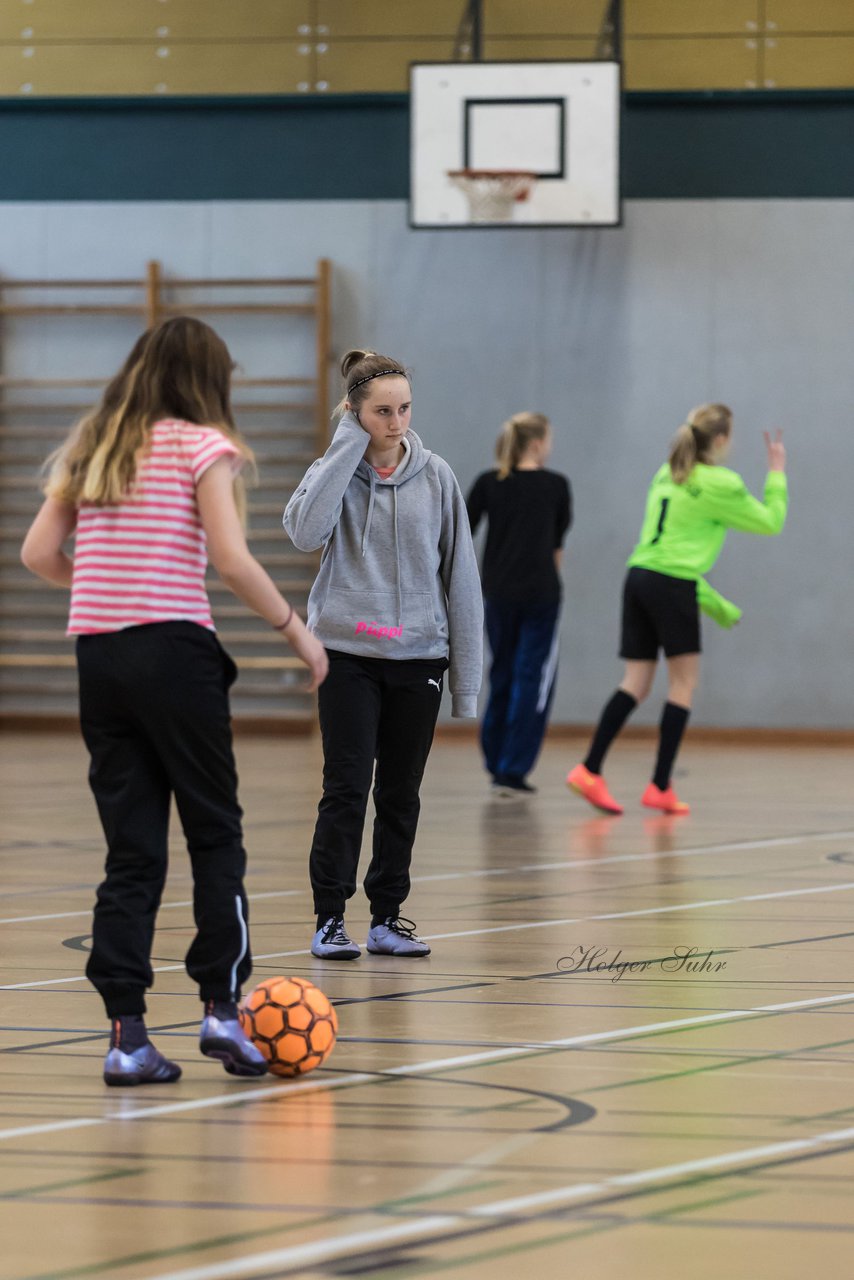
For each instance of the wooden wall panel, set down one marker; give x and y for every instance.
(690, 17)
(76, 69)
(388, 18)
(727, 63)
(225, 19)
(543, 17)
(519, 48)
(118, 47)
(816, 16)
(807, 62)
(73, 20)
(270, 67)
(119, 69)
(375, 66)
(79, 20)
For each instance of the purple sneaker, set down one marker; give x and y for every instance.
(225, 1039)
(145, 1065)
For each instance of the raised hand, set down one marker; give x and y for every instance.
(776, 450)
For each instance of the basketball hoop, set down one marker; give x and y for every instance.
(492, 193)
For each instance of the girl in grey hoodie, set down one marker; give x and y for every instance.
(396, 602)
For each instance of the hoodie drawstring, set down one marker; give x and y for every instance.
(397, 563)
(366, 532)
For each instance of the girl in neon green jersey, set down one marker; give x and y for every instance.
(692, 502)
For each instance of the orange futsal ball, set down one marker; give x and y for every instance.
(293, 1024)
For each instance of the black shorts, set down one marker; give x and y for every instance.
(659, 612)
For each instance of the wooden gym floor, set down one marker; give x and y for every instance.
(503, 1104)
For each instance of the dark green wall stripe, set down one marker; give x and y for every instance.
(738, 145)
(675, 146)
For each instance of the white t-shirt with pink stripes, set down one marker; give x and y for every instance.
(144, 559)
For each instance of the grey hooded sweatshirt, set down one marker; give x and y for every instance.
(398, 575)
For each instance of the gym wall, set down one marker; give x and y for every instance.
(730, 279)
(615, 334)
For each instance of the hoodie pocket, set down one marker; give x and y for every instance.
(373, 619)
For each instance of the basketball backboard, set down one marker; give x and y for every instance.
(556, 120)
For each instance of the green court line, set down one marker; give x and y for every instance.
(391, 1205)
(703, 1204)
(717, 1066)
(416, 1268)
(434, 1266)
(504, 1106)
(22, 1192)
(200, 1246)
(819, 1115)
(492, 1255)
(528, 1055)
(155, 1255)
(419, 1267)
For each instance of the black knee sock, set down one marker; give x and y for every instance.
(614, 715)
(673, 721)
(128, 1032)
(225, 1010)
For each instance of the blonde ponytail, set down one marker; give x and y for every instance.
(694, 439)
(683, 454)
(516, 434)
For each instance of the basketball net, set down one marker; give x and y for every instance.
(493, 193)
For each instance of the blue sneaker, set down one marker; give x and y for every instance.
(396, 937)
(333, 942)
(225, 1039)
(145, 1065)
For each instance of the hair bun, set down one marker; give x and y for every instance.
(352, 358)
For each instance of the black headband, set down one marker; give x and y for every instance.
(382, 373)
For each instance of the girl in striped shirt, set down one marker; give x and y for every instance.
(149, 483)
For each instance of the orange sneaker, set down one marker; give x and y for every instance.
(592, 787)
(667, 801)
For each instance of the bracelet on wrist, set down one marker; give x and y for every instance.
(283, 626)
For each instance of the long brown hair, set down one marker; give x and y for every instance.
(694, 439)
(516, 434)
(178, 370)
(358, 364)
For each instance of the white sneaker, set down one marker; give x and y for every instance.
(332, 942)
(396, 937)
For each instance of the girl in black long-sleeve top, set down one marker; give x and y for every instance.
(529, 510)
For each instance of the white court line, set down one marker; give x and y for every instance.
(196, 1104)
(523, 1050)
(313, 1252)
(384, 1237)
(506, 928)
(574, 864)
(645, 911)
(164, 906)
(571, 864)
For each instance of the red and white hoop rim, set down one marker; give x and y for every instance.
(492, 173)
(491, 193)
